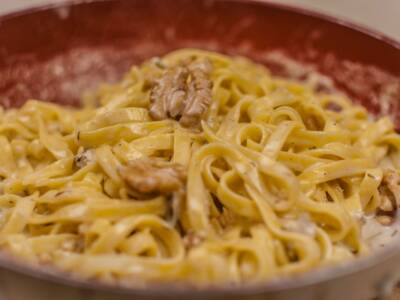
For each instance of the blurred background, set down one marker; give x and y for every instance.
(382, 15)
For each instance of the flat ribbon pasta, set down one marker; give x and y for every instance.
(279, 178)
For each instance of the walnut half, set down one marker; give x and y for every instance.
(83, 158)
(151, 176)
(146, 176)
(183, 93)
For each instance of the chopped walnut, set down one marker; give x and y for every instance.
(182, 93)
(80, 244)
(83, 157)
(333, 107)
(226, 218)
(390, 197)
(151, 176)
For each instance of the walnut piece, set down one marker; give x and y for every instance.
(183, 93)
(332, 106)
(225, 219)
(168, 94)
(151, 176)
(389, 190)
(83, 158)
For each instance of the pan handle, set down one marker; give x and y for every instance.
(387, 287)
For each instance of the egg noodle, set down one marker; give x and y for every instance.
(277, 181)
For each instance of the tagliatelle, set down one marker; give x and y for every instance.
(279, 180)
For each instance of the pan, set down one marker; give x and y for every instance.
(59, 52)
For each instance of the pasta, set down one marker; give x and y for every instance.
(196, 167)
